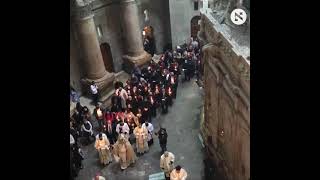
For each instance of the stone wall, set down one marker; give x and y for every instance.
(226, 127)
(181, 13)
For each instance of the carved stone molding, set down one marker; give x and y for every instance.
(82, 12)
(127, 1)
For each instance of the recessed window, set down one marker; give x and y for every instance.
(99, 31)
(196, 5)
(146, 15)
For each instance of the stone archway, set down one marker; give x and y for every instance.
(107, 56)
(195, 26)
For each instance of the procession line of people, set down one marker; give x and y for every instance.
(133, 107)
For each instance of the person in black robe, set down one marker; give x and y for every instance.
(73, 169)
(169, 95)
(157, 96)
(110, 127)
(153, 107)
(116, 102)
(134, 104)
(146, 115)
(162, 135)
(174, 85)
(100, 119)
(153, 80)
(77, 157)
(144, 91)
(78, 116)
(74, 132)
(186, 67)
(164, 101)
(167, 79)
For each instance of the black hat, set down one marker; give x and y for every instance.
(178, 168)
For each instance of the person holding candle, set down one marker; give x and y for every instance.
(153, 106)
(99, 115)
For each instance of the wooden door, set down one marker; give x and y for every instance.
(107, 56)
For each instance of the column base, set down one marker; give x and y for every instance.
(105, 84)
(140, 60)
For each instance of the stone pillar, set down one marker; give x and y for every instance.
(92, 58)
(133, 49)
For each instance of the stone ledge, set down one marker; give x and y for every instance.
(140, 60)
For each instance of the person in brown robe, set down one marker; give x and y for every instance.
(123, 152)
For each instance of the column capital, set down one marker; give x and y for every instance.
(127, 1)
(82, 9)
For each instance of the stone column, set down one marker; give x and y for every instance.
(92, 58)
(133, 49)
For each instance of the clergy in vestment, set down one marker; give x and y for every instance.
(166, 163)
(149, 128)
(103, 146)
(178, 174)
(141, 135)
(123, 152)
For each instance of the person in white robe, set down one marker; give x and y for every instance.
(150, 129)
(123, 128)
(124, 96)
(167, 163)
(72, 141)
(178, 173)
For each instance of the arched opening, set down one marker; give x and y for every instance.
(148, 40)
(107, 56)
(195, 26)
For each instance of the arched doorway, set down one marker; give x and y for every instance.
(195, 26)
(107, 56)
(148, 40)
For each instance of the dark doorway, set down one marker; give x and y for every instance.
(195, 26)
(107, 56)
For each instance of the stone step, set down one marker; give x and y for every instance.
(105, 98)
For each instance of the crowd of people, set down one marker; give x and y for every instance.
(134, 105)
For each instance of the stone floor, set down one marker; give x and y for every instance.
(182, 124)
